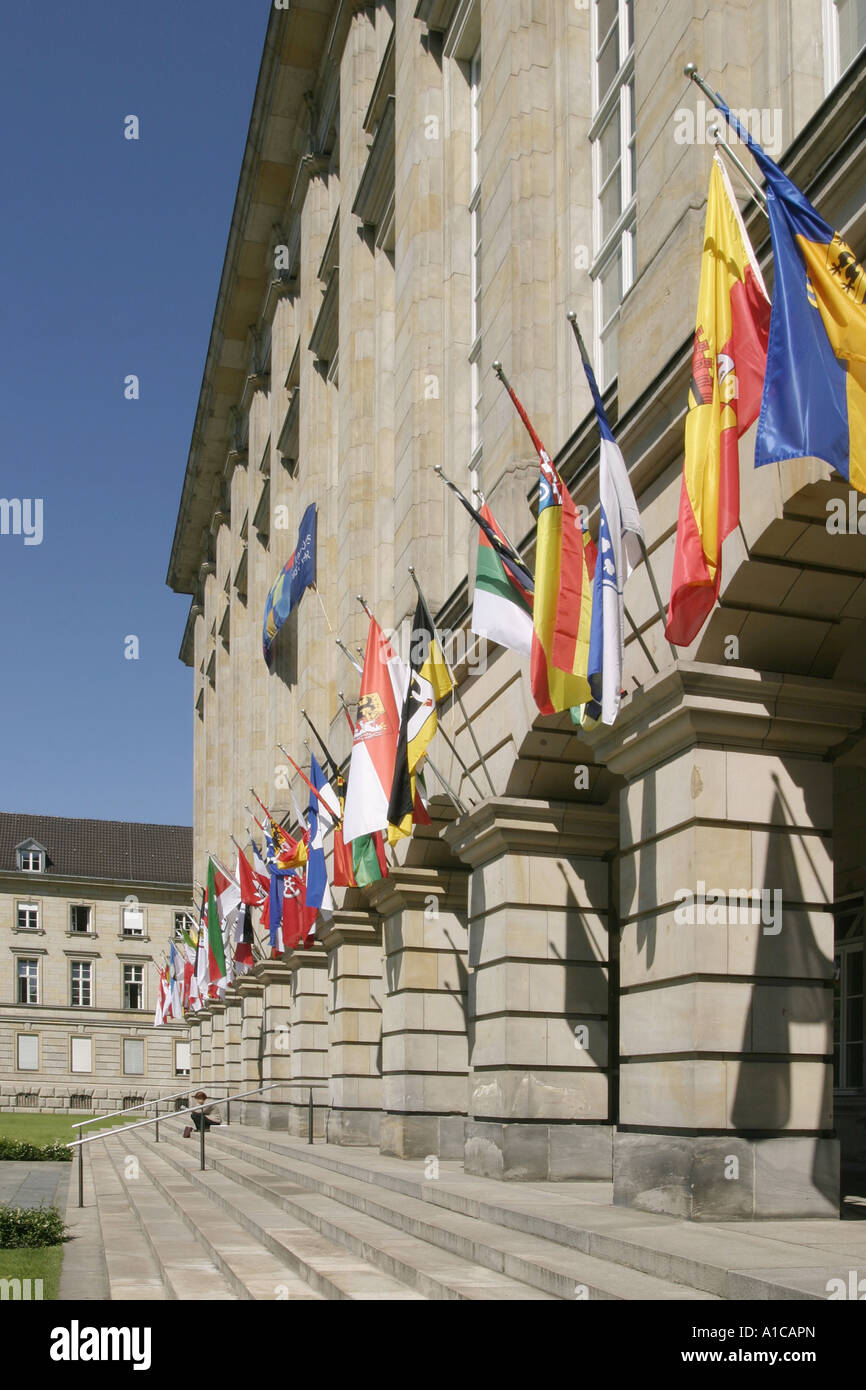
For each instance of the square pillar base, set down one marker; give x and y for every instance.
(422, 1136)
(353, 1127)
(727, 1177)
(267, 1114)
(538, 1152)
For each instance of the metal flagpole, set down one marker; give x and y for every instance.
(321, 742)
(718, 138)
(454, 684)
(345, 650)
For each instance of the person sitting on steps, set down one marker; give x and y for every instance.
(206, 1115)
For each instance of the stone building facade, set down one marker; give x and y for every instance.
(87, 909)
(430, 186)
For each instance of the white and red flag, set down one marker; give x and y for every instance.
(374, 747)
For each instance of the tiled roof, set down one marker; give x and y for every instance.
(108, 849)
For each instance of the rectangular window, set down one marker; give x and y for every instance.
(133, 1057)
(133, 987)
(80, 919)
(28, 916)
(844, 36)
(82, 1054)
(183, 922)
(181, 1059)
(28, 1052)
(30, 861)
(28, 982)
(82, 984)
(612, 134)
(133, 921)
(848, 1045)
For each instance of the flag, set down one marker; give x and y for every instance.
(260, 872)
(728, 361)
(176, 978)
(223, 896)
(284, 851)
(319, 822)
(297, 575)
(161, 1001)
(562, 605)
(251, 897)
(368, 859)
(502, 604)
(814, 399)
(429, 682)
(619, 535)
(374, 747)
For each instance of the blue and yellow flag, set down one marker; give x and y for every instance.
(814, 400)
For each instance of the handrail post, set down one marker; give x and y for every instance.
(156, 1126)
(81, 1176)
(201, 1138)
(228, 1110)
(310, 1119)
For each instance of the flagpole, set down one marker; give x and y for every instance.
(454, 684)
(718, 138)
(581, 347)
(305, 778)
(324, 747)
(345, 650)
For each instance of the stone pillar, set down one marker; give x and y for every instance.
(539, 1105)
(205, 1053)
(270, 1110)
(232, 1043)
(354, 948)
(726, 1010)
(309, 1051)
(251, 993)
(195, 1050)
(217, 1045)
(425, 1048)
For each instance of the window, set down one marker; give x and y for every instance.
(82, 984)
(475, 258)
(31, 859)
(80, 919)
(28, 982)
(133, 921)
(181, 1059)
(28, 1052)
(133, 987)
(133, 1057)
(82, 1054)
(28, 916)
(613, 174)
(183, 922)
(844, 36)
(848, 1016)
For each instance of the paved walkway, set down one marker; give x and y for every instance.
(34, 1184)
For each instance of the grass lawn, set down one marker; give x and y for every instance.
(43, 1264)
(43, 1129)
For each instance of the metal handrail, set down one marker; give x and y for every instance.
(140, 1124)
(142, 1105)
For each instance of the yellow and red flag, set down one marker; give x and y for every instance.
(729, 359)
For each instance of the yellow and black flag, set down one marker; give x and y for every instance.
(429, 682)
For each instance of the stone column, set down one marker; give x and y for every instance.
(251, 993)
(425, 1030)
(270, 1110)
(539, 1105)
(232, 1045)
(195, 1049)
(217, 1045)
(354, 948)
(205, 1053)
(309, 1052)
(726, 954)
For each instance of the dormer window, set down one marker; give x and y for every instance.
(31, 857)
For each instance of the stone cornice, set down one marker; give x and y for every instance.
(349, 927)
(270, 972)
(412, 888)
(508, 826)
(693, 703)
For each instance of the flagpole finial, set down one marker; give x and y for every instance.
(412, 571)
(497, 367)
(437, 468)
(690, 69)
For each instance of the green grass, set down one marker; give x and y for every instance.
(41, 1264)
(42, 1129)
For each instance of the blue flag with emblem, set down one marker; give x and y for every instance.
(297, 575)
(814, 398)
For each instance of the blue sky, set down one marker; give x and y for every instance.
(110, 256)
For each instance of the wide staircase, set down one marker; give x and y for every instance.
(273, 1218)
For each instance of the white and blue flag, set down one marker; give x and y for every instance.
(619, 550)
(319, 821)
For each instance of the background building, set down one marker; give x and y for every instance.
(87, 909)
(429, 187)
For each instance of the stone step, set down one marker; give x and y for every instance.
(729, 1260)
(432, 1272)
(132, 1269)
(250, 1270)
(327, 1268)
(382, 1223)
(185, 1267)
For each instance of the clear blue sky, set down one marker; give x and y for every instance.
(110, 256)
